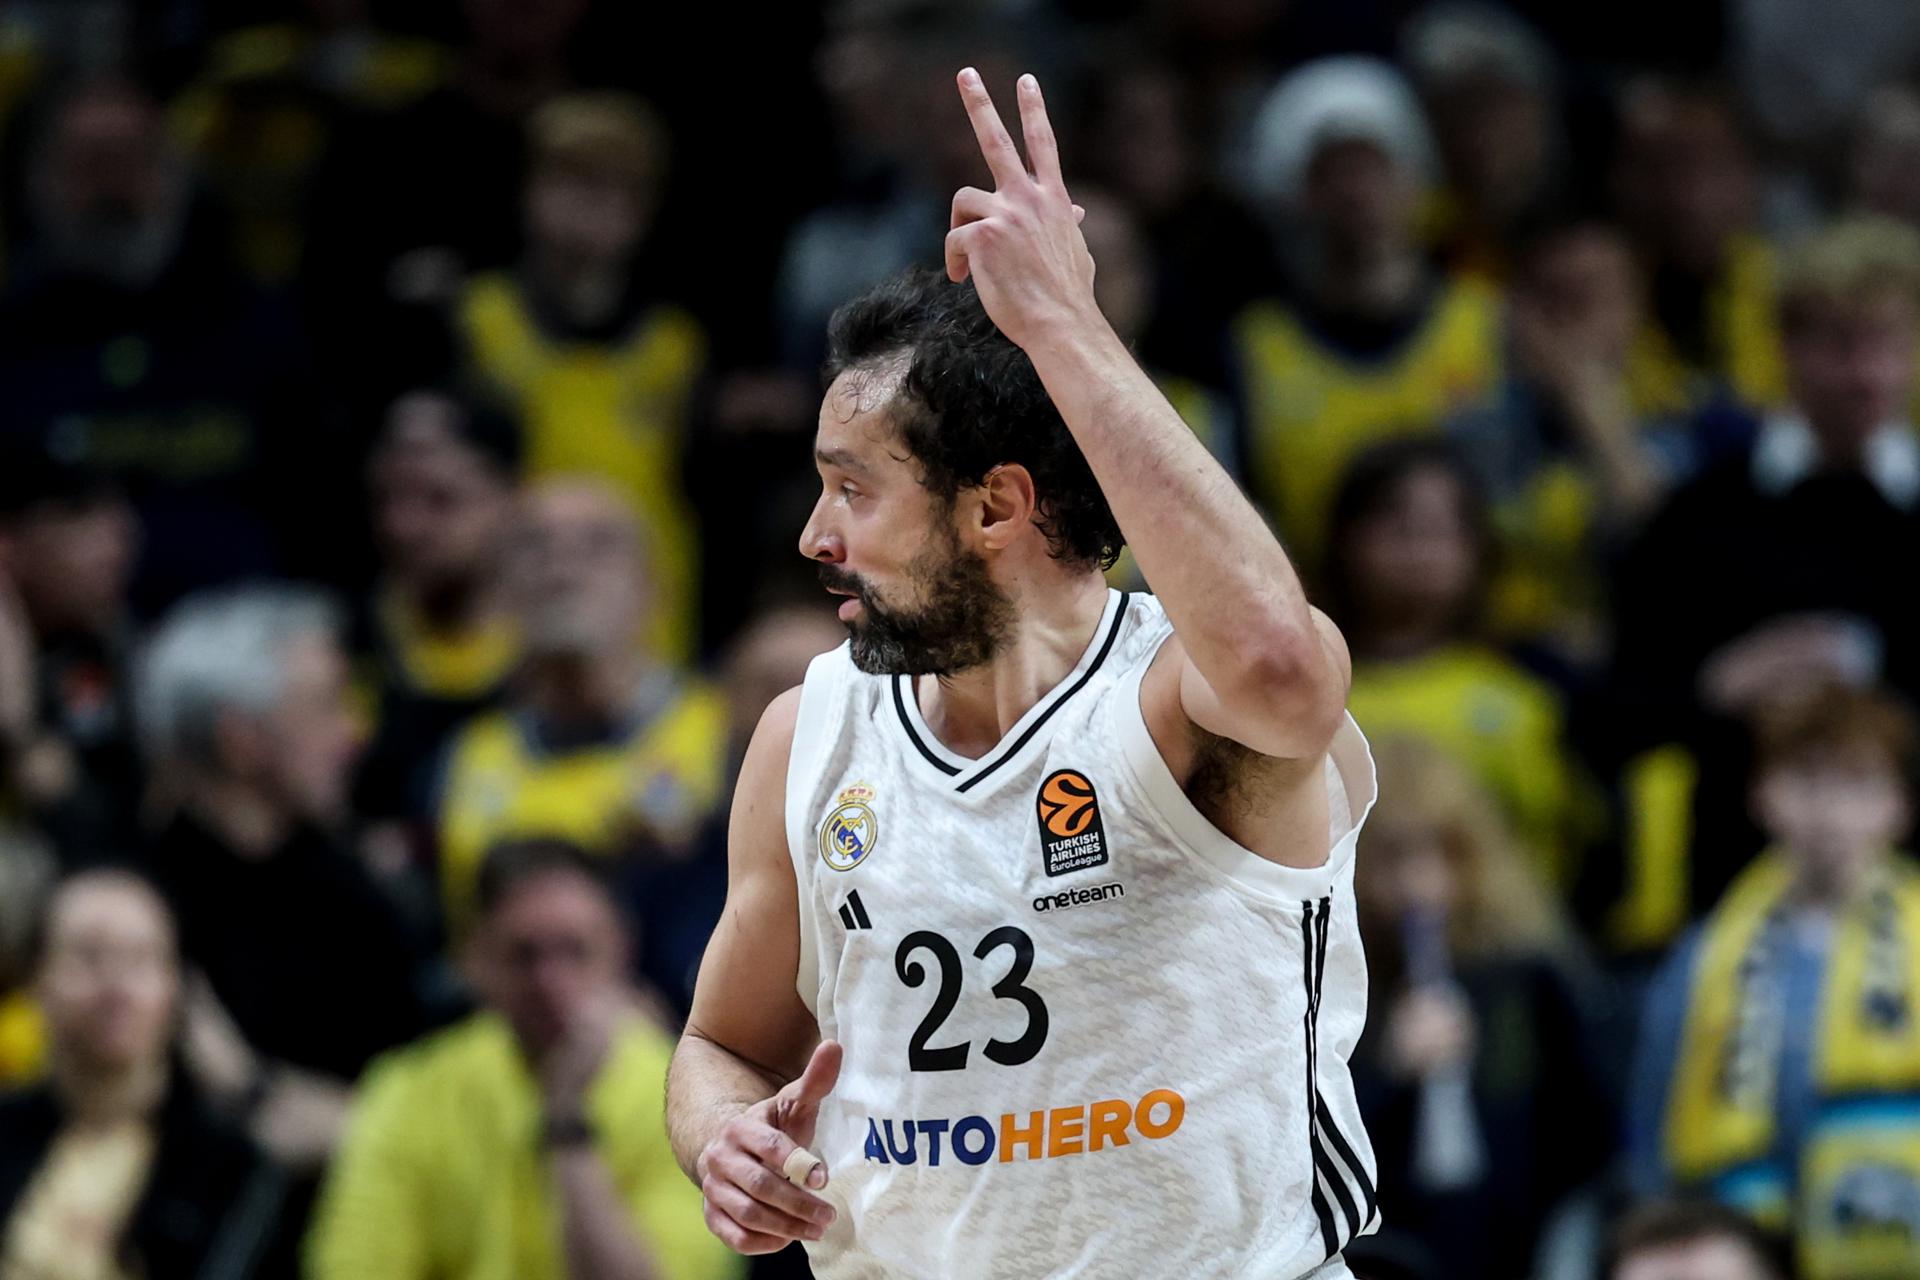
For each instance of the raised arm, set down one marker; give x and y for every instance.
(743, 1094)
(1259, 664)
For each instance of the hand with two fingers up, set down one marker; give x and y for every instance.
(1021, 242)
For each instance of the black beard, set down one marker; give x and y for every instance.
(961, 625)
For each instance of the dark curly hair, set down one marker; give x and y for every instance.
(971, 401)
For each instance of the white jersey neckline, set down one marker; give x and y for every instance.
(948, 769)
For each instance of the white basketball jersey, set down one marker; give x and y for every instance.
(1086, 1034)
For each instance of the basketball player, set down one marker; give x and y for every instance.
(1039, 954)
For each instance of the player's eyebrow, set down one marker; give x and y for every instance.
(845, 459)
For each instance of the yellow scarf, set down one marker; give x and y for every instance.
(1858, 1172)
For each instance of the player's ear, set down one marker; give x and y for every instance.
(1007, 503)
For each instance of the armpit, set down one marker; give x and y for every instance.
(1249, 795)
(1225, 777)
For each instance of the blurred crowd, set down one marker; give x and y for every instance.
(405, 413)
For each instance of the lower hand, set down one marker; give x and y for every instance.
(751, 1205)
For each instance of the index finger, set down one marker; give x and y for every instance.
(1042, 148)
(1003, 160)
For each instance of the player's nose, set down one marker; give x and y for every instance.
(819, 542)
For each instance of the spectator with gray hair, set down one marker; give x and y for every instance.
(241, 698)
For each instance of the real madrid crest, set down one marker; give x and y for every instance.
(850, 831)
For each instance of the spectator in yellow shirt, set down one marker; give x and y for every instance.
(1685, 184)
(600, 369)
(599, 743)
(1409, 547)
(1570, 465)
(528, 1142)
(435, 642)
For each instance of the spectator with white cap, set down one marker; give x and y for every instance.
(1373, 343)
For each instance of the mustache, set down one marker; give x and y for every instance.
(834, 578)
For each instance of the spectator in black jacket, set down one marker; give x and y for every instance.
(114, 1166)
(1784, 567)
(310, 972)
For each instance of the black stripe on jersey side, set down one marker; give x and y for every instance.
(859, 909)
(1321, 1210)
(1315, 932)
(1106, 647)
(1327, 1126)
(1326, 1123)
(1340, 1189)
(1322, 1117)
(906, 722)
(1341, 1192)
(1320, 957)
(846, 917)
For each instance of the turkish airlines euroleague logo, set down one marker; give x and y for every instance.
(1071, 837)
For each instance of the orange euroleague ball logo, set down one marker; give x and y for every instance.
(1067, 806)
(1072, 837)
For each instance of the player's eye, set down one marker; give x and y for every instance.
(848, 492)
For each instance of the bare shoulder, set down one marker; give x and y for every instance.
(761, 789)
(774, 734)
